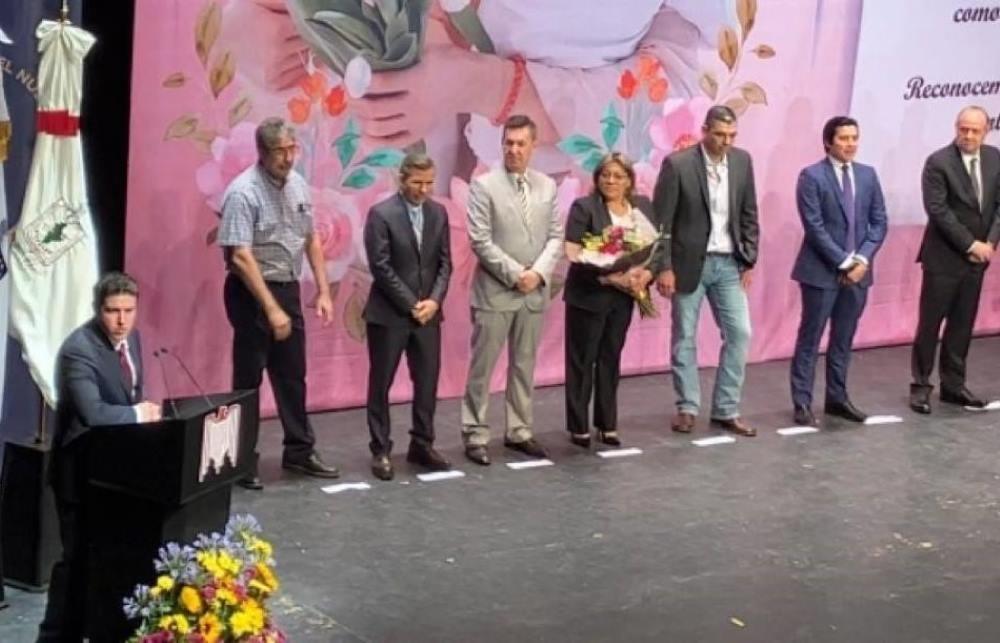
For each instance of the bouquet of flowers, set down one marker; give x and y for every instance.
(212, 592)
(621, 250)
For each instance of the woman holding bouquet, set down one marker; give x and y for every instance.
(599, 306)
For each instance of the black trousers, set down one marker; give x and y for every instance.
(65, 619)
(594, 342)
(954, 300)
(256, 349)
(386, 345)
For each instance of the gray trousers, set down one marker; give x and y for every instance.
(521, 330)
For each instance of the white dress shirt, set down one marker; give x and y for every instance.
(838, 171)
(719, 238)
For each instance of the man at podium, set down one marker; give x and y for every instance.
(99, 378)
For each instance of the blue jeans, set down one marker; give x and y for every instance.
(720, 282)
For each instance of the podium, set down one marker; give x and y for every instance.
(154, 483)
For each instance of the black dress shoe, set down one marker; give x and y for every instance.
(251, 482)
(609, 438)
(803, 416)
(529, 447)
(427, 457)
(382, 467)
(962, 397)
(845, 410)
(478, 454)
(580, 439)
(311, 466)
(920, 399)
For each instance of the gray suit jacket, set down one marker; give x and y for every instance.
(506, 242)
(92, 389)
(680, 201)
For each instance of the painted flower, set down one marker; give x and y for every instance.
(336, 101)
(314, 86)
(678, 127)
(645, 178)
(230, 156)
(298, 109)
(337, 224)
(357, 77)
(627, 84)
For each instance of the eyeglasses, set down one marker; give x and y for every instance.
(284, 150)
(613, 176)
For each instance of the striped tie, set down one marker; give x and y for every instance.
(522, 195)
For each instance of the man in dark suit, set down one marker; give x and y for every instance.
(99, 380)
(407, 242)
(843, 213)
(961, 198)
(706, 200)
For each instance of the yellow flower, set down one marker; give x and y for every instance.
(226, 595)
(266, 576)
(249, 620)
(154, 592)
(261, 547)
(210, 628)
(176, 622)
(191, 600)
(219, 564)
(165, 583)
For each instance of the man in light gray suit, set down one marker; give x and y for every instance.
(517, 237)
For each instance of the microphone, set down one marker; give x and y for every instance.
(208, 403)
(166, 383)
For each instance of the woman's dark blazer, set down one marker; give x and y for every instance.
(589, 215)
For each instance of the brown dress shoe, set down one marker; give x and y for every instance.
(382, 467)
(735, 425)
(683, 422)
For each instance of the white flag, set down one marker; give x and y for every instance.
(53, 259)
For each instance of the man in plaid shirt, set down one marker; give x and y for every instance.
(266, 230)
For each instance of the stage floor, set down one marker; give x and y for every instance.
(854, 533)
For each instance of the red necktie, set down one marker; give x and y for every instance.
(126, 368)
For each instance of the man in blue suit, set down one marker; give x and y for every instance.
(842, 210)
(99, 378)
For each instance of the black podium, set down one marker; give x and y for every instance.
(155, 483)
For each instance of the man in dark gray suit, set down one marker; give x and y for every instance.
(705, 199)
(961, 190)
(99, 380)
(516, 234)
(407, 242)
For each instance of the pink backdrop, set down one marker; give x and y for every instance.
(186, 142)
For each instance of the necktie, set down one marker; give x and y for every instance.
(849, 207)
(126, 368)
(974, 175)
(522, 195)
(417, 220)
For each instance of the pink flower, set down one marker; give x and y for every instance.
(337, 222)
(230, 156)
(569, 190)
(678, 127)
(645, 178)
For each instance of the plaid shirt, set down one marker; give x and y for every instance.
(273, 222)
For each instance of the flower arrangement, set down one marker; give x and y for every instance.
(617, 250)
(212, 592)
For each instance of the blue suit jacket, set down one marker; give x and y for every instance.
(92, 389)
(821, 209)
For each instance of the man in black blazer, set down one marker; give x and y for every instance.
(407, 242)
(99, 382)
(706, 200)
(961, 191)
